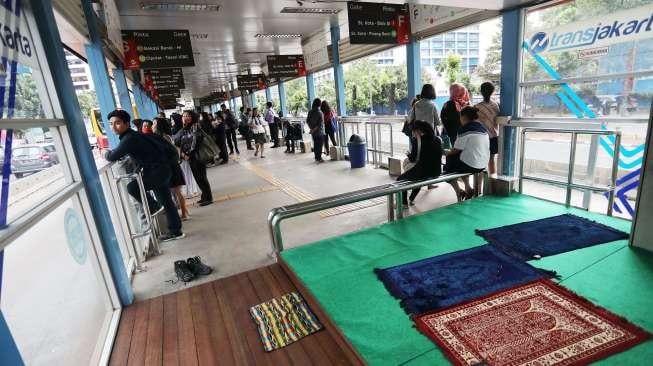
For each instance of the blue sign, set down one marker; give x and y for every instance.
(77, 243)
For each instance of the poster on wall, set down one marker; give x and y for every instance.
(424, 17)
(251, 82)
(17, 44)
(157, 49)
(281, 66)
(374, 23)
(315, 52)
(592, 38)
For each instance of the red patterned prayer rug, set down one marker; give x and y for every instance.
(539, 323)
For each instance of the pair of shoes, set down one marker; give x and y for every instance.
(191, 268)
(287, 151)
(250, 148)
(171, 237)
(237, 152)
(405, 206)
(231, 153)
(185, 218)
(256, 153)
(320, 161)
(411, 203)
(205, 203)
(224, 162)
(262, 156)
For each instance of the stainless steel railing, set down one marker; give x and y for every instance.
(569, 184)
(393, 191)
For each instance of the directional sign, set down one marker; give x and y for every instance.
(372, 23)
(156, 49)
(281, 66)
(251, 82)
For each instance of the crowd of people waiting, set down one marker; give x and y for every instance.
(466, 135)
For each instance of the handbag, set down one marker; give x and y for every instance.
(208, 149)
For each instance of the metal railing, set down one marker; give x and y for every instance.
(380, 136)
(393, 191)
(569, 184)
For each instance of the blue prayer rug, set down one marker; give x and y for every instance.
(553, 235)
(452, 278)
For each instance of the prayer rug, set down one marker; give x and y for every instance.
(539, 323)
(553, 235)
(449, 279)
(282, 321)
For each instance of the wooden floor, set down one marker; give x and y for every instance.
(210, 325)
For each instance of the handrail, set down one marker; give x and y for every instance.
(279, 214)
(569, 184)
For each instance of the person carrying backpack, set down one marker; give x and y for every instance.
(231, 126)
(155, 157)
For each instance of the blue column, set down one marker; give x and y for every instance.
(283, 106)
(510, 46)
(98, 66)
(154, 109)
(268, 94)
(48, 31)
(338, 73)
(414, 68)
(310, 88)
(252, 100)
(9, 354)
(123, 90)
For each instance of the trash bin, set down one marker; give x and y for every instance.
(357, 151)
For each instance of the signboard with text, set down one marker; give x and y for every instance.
(281, 66)
(17, 44)
(166, 78)
(423, 17)
(315, 52)
(373, 23)
(157, 49)
(251, 82)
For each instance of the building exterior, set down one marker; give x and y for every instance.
(79, 72)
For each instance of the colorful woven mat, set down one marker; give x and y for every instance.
(284, 320)
(539, 323)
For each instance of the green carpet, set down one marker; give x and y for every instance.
(338, 271)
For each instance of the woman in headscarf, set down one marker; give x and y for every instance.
(450, 114)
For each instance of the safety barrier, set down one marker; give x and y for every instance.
(393, 191)
(382, 134)
(569, 183)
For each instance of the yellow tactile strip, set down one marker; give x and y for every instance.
(302, 196)
(247, 193)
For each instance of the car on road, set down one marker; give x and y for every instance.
(28, 159)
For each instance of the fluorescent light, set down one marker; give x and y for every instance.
(303, 10)
(180, 7)
(277, 35)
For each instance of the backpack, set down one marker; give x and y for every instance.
(165, 148)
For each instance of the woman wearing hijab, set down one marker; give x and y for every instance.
(450, 114)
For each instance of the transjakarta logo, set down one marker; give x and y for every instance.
(583, 38)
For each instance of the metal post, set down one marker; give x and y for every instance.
(510, 57)
(414, 69)
(522, 144)
(148, 214)
(615, 172)
(392, 143)
(338, 73)
(48, 31)
(591, 168)
(391, 208)
(572, 163)
(400, 204)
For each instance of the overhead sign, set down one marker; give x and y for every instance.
(251, 82)
(17, 44)
(214, 98)
(315, 52)
(280, 66)
(168, 102)
(624, 26)
(373, 23)
(156, 49)
(112, 22)
(424, 17)
(166, 78)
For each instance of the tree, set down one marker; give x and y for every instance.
(296, 96)
(87, 102)
(28, 104)
(490, 70)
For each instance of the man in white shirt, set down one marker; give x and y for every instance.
(271, 118)
(470, 153)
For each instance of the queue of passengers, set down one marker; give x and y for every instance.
(470, 134)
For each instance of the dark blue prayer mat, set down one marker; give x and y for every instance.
(452, 278)
(553, 235)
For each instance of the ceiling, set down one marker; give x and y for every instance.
(224, 42)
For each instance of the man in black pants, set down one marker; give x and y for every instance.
(273, 123)
(220, 137)
(231, 125)
(244, 126)
(156, 169)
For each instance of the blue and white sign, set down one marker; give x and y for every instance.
(15, 41)
(624, 26)
(74, 228)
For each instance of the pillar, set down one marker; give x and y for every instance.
(338, 73)
(49, 34)
(268, 94)
(283, 106)
(123, 90)
(98, 65)
(139, 99)
(310, 88)
(414, 68)
(510, 46)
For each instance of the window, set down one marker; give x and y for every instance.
(609, 82)
(461, 36)
(473, 36)
(435, 44)
(461, 45)
(449, 45)
(450, 36)
(473, 52)
(473, 45)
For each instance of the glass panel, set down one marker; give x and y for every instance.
(54, 301)
(296, 96)
(325, 87)
(36, 172)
